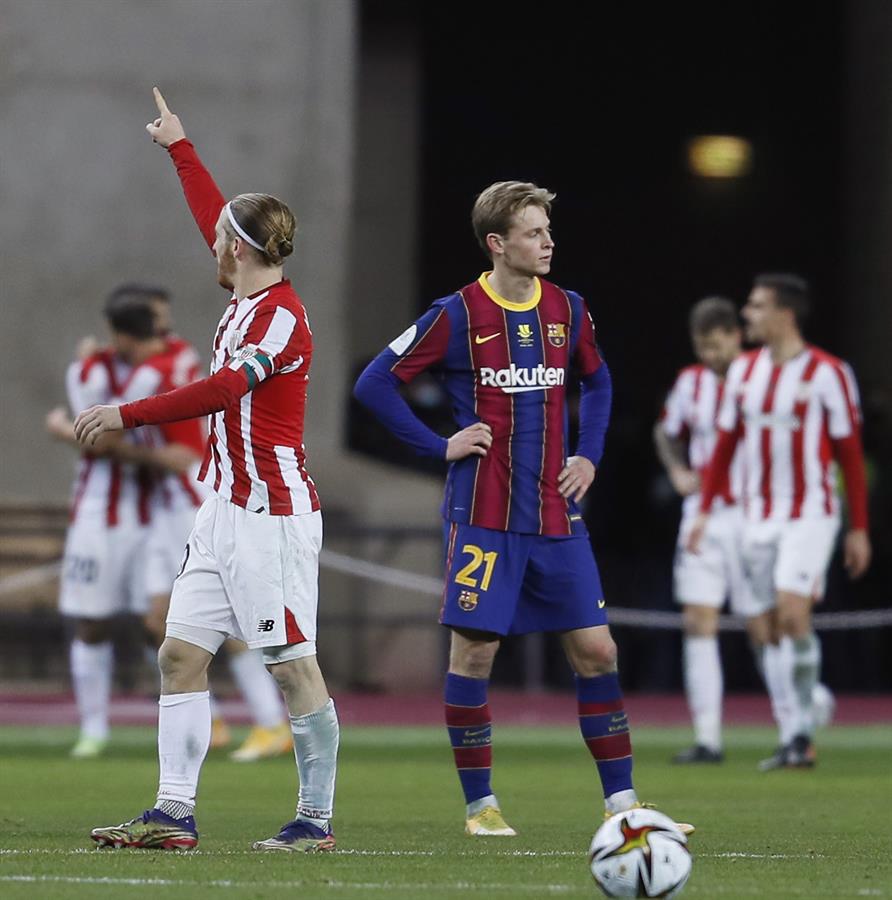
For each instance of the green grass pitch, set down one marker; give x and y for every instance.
(399, 819)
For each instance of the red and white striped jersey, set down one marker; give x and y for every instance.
(789, 417)
(175, 367)
(255, 455)
(119, 492)
(257, 390)
(690, 413)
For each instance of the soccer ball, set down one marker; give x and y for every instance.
(640, 853)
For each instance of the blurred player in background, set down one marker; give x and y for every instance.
(685, 437)
(795, 410)
(103, 567)
(178, 497)
(251, 565)
(518, 556)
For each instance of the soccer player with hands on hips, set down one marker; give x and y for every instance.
(794, 410)
(518, 556)
(251, 563)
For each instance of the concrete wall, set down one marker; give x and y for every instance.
(266, 91)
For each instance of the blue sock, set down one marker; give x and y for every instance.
(470, 732)
(605, 729)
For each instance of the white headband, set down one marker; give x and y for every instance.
(241, 231)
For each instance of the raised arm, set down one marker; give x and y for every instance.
(202, 194)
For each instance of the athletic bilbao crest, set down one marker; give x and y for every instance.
(557, 334)
(525, 335)
(467, 600)
(232, 345)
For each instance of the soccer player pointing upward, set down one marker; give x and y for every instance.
(518, 557)
(251, 564)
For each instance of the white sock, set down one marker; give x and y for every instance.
(316, 738)
(184, 733)
(258, 688)
(704, 686)
(778, 661)
(806, 669)
(91, 676)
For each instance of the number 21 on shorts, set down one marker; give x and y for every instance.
(466, 576)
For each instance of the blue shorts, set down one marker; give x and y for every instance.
(511, 583)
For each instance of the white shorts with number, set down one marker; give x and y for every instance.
(103, 568)
(716, 573)
(252, 576)
(167, 547)
(790, 555)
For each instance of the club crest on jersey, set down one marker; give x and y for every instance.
(467, 600)
(234, 340)
(525, 335)
(557, 334)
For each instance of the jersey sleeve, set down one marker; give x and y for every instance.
(421, 346)
(839, 396)
(87, 383)
(202, 194)
(675, 416)
(277, 340)
(586, 354)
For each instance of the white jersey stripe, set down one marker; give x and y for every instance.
(259, 496)
(289, 466)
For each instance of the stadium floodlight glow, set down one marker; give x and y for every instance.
(720, 156)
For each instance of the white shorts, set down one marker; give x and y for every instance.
(716, 573)
(789, 555)
(167, 548)
(103, 569)
(252, 576)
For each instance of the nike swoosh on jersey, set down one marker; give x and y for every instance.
(482, 340)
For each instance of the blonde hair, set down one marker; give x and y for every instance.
(268, 221)
(496, 206)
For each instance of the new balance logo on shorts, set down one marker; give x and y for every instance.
(266, 624)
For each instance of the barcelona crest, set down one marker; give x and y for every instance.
(557, 334)
(467, 600)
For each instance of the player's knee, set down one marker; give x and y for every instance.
(594, 658)
(473, 660)
(700, 621)
(180, 662)
(93, 631)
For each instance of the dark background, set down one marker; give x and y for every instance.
(601, 113)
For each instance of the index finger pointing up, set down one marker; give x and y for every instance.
(160, 102)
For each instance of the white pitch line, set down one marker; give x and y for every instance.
(353, 885)
(414, 853)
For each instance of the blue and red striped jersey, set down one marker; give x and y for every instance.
(505, 364)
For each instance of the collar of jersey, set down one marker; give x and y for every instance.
(511, 304)
(270, 287)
